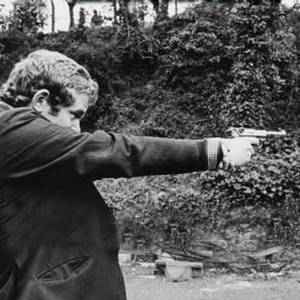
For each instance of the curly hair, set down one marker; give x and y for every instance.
(44, 69)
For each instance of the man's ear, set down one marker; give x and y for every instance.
(40, 101)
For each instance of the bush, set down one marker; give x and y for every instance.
(160, 209)
(263, 80)
(265, 68)
(240, 62)
(16, 45)
(197, 57)
(240, 73)
(28, 15)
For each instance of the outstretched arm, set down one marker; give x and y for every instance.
(31, 145)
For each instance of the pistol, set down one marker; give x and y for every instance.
(250, 132)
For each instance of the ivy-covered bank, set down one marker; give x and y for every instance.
(194, 76)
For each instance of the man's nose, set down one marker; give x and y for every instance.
(76, 126)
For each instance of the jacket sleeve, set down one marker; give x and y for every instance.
(31, 145)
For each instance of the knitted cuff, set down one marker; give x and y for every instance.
(214, 153)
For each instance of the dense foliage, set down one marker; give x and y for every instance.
(195, 75)
(28, 15)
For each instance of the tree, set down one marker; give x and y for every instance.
(71, 4)
(2, 19)
(28, 15)
(155, 5)
(52, 16)
(161, 8)
(115, 11)
(230, 2)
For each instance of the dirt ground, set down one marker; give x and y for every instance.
(222, 287)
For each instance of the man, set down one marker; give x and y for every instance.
(57, 236)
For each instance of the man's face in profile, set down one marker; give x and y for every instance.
(69, 116)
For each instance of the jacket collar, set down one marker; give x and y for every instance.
(4, 106)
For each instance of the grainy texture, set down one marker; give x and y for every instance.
(227, 287)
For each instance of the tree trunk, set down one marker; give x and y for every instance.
(124, 12)
(52, 16)
(71, 4)
(155, 5)
(115, 11)
(163, 11)
(71, 13)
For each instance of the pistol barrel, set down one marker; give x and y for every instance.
(249, 132)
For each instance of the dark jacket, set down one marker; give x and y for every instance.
(54, 224)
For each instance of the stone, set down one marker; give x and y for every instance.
(266, 253)
(144, 269)
(177, 271)
(124, 257)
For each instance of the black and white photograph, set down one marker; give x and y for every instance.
(149, 150)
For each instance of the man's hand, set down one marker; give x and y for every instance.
(237, 151)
